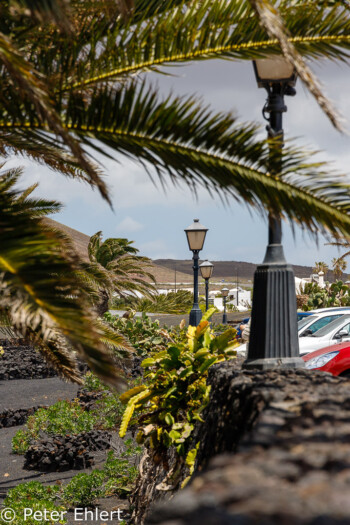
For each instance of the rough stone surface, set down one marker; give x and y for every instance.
(275, 450)
(12, 418)
(60, 453)
(21, 361)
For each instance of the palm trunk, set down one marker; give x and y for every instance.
(102, 306)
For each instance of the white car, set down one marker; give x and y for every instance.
(319, 318)
(337, 331)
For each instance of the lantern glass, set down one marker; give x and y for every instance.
(196, 235)
(206, 269)
(274, 69)
(224, 292)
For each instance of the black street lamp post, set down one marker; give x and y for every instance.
(195, 236)
(206, 269)
(224, 293)
(273, 334)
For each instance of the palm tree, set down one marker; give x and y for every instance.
(339, 266)
(41, 297)
(345, 243)
(321, 267)
(64, 97)
(115, 267)
(69, 89)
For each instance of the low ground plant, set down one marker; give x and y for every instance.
(70, 418)
(143, 333)
(117, 477)
(34, 495)
(62, 418)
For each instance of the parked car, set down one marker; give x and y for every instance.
(302, 315)
(319, 318)
(334, 359)
(335, 332)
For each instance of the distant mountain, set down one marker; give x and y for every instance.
(164, 269)
(228, 270)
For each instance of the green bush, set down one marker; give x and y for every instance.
(336, 294)
(36, 496)
(83, 489)
(117, 476)
(144, 334)
(175, 390)
(179, 302)
(62, 418)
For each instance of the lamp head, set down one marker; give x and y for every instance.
(196, 235)
(275, 70)
(206, 269)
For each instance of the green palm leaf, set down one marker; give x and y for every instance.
(39, 290)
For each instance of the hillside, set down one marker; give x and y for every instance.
(227, 270)
(80, 240)
(164, 269)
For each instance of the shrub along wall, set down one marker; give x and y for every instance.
(287, 434)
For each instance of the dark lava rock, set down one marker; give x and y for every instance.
(274, 450)
(13, 418)
(59, 453)
(21, 361)
(87, 399)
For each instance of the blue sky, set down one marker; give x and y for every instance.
(155, 219)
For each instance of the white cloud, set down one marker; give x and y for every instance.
(156, 249)
(128, 225)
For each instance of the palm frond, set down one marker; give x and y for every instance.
(213, 150)
(214, 29)
(115, 341)
(45, 11)
(271, 20)
(38, 287)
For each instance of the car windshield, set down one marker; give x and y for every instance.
(338, 323)
(305, 320)
(302, 315)
(320, 323)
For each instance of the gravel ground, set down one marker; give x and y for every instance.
(24, 393)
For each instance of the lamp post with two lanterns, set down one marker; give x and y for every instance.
(195, 236)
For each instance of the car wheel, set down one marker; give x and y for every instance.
(346, 373)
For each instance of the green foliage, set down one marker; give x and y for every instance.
(64, 417)
(41, 296)
(116, 477)
(21, 441)
(36, 496)
(175, 390)
(144, 334)
(68, 417)
(93, 383)
(336, 294)
(108, 412)
(179, 302)
(115, 267)
(83, 489)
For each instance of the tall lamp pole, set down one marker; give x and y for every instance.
(273, 334)
(206, 269)
(195, 236)
(224, 293)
